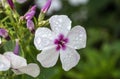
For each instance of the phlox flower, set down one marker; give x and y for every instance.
(60, 40)
(18, 64)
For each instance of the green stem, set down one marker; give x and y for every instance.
(41, 17)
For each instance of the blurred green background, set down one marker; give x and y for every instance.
(101, 58)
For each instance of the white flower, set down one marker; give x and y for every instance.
(60, 41)
(18, 65)
(21, 1)
(78, 2)
(56, 5)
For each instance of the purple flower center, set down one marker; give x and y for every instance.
(60, 42)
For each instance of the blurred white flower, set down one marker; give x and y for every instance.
(18, 65)
(56, 5)
(21, 1)
(77, 2)
(62, 40)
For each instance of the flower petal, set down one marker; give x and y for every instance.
(48, 57)
(60, 24)
(69, 58)
(4, 63)
(31, 69)
(77, 37)
(43, 38)
(16, 61)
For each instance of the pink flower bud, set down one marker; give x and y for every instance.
(46, 7)
(30, 14)
(16, 49)
(4, 34)
(30, 26)
(10, 2)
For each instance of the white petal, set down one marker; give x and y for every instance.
(77, 37)
(60, 24)
(48, 57)
(69, 58)
(43, 38)
(16, 61)
(4, 63)
(31, 69)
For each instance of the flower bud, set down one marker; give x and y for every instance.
(10, 2)
(4, 34)
(30, 14)
(46, 7)
(16, 49)
(30, 26)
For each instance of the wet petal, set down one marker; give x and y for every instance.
(31, 69)
(4, 63)
(69, 58)
(77, 37)
(16, 61)
(48, 57)
(43, 38)
(60, 24)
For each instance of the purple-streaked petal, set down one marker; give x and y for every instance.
(69, 58)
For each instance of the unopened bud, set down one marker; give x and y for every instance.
(4, 34)
(30, 26)
(46, 7)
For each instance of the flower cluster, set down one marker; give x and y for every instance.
(61, 41)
